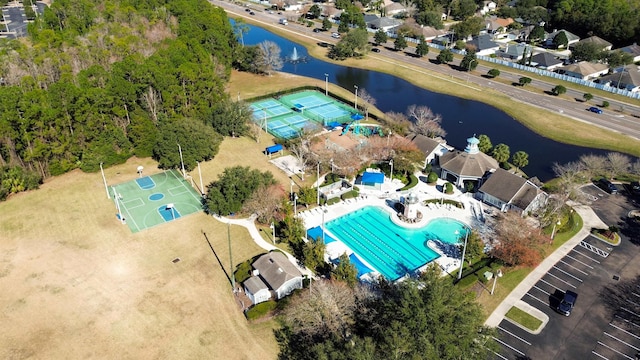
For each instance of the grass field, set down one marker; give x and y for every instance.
(77, 284)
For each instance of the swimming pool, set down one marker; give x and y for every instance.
(391, 249)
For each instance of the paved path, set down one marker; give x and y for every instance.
(590, 220)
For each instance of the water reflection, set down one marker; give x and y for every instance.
(461, 117)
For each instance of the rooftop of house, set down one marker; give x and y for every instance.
(570, 36)
(585, 68)
(596, 40)
(629, 76)
(255, 284)
(483, 42)
(426, 144)
(633, 49)
(545, 59)
(510, 188)
(275, 269)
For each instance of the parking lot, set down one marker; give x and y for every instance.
(595, 329)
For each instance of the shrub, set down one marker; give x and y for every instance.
(494, 73)
(243, 271)
(332, 201)
(432, 177)
(605, 104)
(349, 195)
(587, 96)
(413, 181)
(260, 310)
(448, 188)
(467, 281)
(558, 90)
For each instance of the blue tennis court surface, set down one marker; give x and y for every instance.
(168, 214)
(146, 183)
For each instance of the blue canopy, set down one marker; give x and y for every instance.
(372, 178)
(273, 149)
(333, 124)
(357, 116)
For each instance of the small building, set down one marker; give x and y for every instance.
(571, 38)
(431, 148)
(411, 203)
(633, 50)
(495, 25)
(468, 165)
(380, 23)
(510, 192)
(372, 178)
(274, 273)
(546, 61)
(484, 45)
(394, 8)
(584, 70)
(431, 33)
(514, 52)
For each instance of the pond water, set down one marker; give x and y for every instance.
(462, 118)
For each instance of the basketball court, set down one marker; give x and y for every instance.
(152, 200)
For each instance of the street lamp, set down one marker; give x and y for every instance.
(495, 280)
(324, 211)
(291, 190)
(464, 250)
(388, 137)
(318, 183)
(326, 84)
(331, 161)
(295, 205)
(553, 232)
(356, 102)
(391, 176)
(181, 161)
(273, 232)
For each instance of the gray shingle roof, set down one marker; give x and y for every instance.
(545, 59)
(483, 42)
(465, 164)
(275, 269)
(510, 188)
(597, 41)
(255, 284)
(424, 143)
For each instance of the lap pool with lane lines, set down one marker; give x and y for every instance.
(391, 249)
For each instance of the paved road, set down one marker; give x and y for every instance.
(626, 124)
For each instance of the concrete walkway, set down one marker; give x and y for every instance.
(249, 224)
(590, 220)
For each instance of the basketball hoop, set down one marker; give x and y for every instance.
(140, 168)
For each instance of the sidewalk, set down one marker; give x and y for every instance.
(590, 220)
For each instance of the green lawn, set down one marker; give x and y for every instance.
(530, 322)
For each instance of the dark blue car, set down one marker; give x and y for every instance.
(595, 110)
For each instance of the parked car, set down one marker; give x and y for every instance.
(317, 30)
(568, 302)
(608, 186)
(596, 110)
(252, 13)
(634, 186)
(335, 36)
(375, 50)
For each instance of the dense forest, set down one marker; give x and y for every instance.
(97, 82)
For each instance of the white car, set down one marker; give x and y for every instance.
(335, 36)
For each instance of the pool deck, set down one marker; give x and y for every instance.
(384, 198)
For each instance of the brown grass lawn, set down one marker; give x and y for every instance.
(77, 284)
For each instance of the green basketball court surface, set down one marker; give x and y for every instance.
(152, 200)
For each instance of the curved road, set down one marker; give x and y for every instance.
(625, 124)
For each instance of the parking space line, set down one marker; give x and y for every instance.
(548, 283)
(586, 273)
(614, 350)
(587, 256)
(598, 355)
(634, 294)
(627, 321)
(535, 286)
(514, 335)
(625, 331)
(581, 262)
(624, 342)
(573, 286)
(630, 312)
(499, 355)
(509, 346)
(544, 302)
(557, 268)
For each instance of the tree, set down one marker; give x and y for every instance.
(199, 143)
(519, 243)
(501, 153)
(367, 101)
(618, 164)
(345, 271)
(269, 57)
(264, 202)
(400, 43)
(475, 246)
(314, 250)
(587, 52)
(445, 56)
(240, 28)
(469, 61)
(558, 90)
(493, 73)
(587, 97)
(425, 121)
(230, 118)
(605, 104)
(315, 10)
(380, 37)
(520, 159)
(484, 143)
(464, 9)
(430, 18)
(422, 49)
(524, 81)
(560, 40)
(326, 24)
(352, 44)
(236, 185)
(537, 34)
(468, 27)
(618, 58)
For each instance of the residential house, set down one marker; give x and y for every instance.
(275, 274)
(627, 78)
(468, 165)
(571, 38)
(514, 52)
(546, 61)
(510, 192)
(394, 8)
(633, 50)
(484, 45)
(431, 148)
(495, 25)
(430, 33)
(381, 23)
(603, 44)
(488, 7)
(584, 70)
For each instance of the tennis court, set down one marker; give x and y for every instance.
(291, 114)
(152, 200)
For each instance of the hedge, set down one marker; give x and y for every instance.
(260, 310)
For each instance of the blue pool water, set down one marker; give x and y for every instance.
(391, 249)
